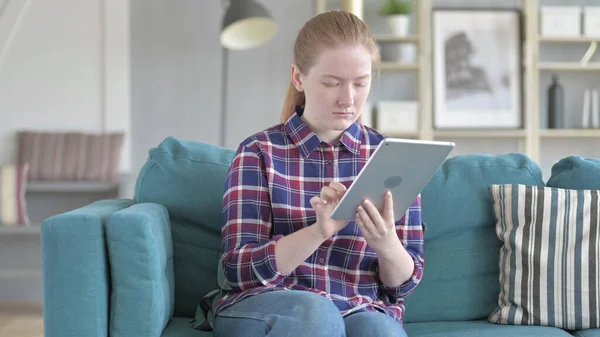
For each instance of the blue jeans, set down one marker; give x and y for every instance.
(297, 314)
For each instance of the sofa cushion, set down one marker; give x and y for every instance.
(479, 329)
(75, 269)
(181, 327)
(188, 179)
(576, 173)
(141, 270)
(587, 333)
(196, 264)
(549, 258)
(460, 279)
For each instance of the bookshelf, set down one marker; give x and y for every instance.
(531, 135)
(20, 230)
(568, 66)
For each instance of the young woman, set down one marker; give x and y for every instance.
(293, 269)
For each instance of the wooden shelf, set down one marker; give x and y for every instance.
(580, 39)
(568, 66)
(393, 38)
(20, 273)
(570, 133)
(403, 134)
(391, 66)
(493, 133)
(529, 138)
(20, 230)
(71, 186)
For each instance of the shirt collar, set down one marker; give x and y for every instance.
(307, 141)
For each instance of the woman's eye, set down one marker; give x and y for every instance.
(361, 84)
(331, 84)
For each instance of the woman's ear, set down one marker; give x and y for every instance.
(297, 78)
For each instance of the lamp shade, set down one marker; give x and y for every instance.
(246, 24)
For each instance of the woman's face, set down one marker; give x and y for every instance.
(336, 89)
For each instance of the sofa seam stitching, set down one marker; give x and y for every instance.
(186, 158)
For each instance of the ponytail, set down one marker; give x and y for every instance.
(293, 98)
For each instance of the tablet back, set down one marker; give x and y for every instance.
(402, 166)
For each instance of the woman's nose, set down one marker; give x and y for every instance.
(346, 98)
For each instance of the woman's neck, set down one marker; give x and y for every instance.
(327, 135)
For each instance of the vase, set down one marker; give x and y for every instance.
(398, 24)
(391, 52)
(555, 105)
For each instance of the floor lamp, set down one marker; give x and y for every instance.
(246, 25)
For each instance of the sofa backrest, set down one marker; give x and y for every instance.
(462, 250)
(576, 172)
(188, 179)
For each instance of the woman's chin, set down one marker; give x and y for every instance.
(343, 125)
(338, 127)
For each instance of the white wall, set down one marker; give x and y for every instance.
(176, 73)
(64, 65)
(176, 77)
(259, 78)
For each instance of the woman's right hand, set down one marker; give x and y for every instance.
(324, 204)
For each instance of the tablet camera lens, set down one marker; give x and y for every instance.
(392, 182)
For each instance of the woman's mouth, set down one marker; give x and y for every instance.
(343, 114)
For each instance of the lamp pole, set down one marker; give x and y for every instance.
(224, 75)
(246, 24)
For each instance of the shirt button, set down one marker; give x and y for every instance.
(321, 260)
(330, 162)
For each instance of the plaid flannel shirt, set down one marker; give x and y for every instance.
(268, 188)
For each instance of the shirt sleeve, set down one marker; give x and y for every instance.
(410, 231)
(248, 250)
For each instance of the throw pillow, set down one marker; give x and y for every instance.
(71, 156)
(550, 257)
(13, 209)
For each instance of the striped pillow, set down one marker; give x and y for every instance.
(70, 156)
(13, 210)
(550, 257)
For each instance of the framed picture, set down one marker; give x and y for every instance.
(477, 71)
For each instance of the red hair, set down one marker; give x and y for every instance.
(326, 30)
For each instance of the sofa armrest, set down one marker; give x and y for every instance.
(140, 251)
(75, 270)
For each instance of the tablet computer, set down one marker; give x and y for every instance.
(402, 166)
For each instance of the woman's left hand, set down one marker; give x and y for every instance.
(378, 229)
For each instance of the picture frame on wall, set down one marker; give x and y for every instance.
(477, 70)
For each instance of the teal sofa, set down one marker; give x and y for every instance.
(140, 267)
